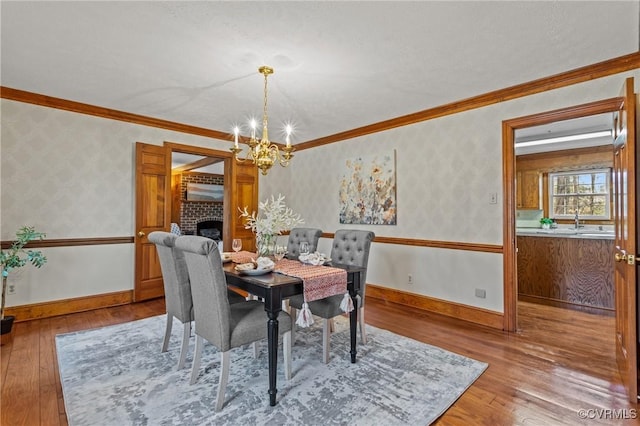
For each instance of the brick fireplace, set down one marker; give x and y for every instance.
(188, 213)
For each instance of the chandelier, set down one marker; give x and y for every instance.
(263, 153)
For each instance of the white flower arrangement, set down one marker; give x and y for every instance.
(273, 218)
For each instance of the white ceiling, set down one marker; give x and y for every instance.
(576, 126)
(181, 159)
(338, 65)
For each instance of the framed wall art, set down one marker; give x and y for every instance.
(205, 192)
(368, 190)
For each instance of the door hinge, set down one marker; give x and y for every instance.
(631, 259)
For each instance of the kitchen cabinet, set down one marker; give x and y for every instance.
(570, 272)
(528, 189)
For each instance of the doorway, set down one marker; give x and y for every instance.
(624, 217)
(197, 190)
(564, 214)
(623, 198)
(200, 182)
(240, 189)
(509, 172)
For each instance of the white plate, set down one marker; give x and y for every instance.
(256, 271)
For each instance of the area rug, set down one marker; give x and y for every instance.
(116, 375)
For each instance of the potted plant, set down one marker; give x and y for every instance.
(16, 257)
(546, 222)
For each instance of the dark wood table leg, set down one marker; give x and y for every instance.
(273, 306)
(353, 316)
(272, 337)
(353, 323)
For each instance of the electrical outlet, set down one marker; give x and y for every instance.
(410, 281)
(493, 199)
(11, 289)
(481, 293)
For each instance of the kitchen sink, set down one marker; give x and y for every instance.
(565, 231)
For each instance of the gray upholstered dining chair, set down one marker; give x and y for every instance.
(298, 235)
(225, 325)
(350, 247)
(177, 289)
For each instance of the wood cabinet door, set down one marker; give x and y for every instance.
(625, 275)
(528, 189)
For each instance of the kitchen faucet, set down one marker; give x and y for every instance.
(577, 220)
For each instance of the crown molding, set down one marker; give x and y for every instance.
(82, 108)
(568, 78)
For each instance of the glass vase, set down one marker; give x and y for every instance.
(265, 244)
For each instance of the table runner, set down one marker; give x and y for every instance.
(243, 257)
(318, 282)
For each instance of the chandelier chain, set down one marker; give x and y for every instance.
(264, 108)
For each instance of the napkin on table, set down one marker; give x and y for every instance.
(264, 263)
(316, 258)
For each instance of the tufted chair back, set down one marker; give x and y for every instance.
(351, 247)
(298, 235)
(177, 291)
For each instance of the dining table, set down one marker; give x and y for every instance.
(273, 288)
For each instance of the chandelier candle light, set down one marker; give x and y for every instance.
(263, 153)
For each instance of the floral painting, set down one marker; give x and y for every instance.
(368, 190)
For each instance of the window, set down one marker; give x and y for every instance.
(585, 192)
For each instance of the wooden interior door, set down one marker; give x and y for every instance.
(625, 274)
(152, 214)
(244, 192)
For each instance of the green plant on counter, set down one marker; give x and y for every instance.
(546, 221)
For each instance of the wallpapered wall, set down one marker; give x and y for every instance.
(72, 175)
(446, 170)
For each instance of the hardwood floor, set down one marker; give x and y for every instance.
(561, 362)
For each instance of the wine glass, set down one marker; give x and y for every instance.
(279, 252)
(236, 245)
(304, 248)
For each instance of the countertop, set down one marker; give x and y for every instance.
(585, 233)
